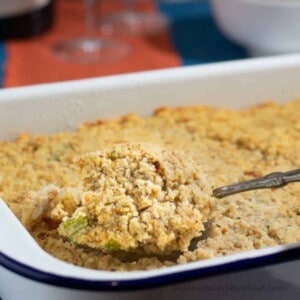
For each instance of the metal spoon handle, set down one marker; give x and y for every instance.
(272, 180)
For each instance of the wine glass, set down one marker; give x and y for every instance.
(90, 49)
(132, 21)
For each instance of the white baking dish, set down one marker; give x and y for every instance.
(262, 274)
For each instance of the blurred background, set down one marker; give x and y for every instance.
(55, 40)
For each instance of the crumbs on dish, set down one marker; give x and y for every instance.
(126, 194)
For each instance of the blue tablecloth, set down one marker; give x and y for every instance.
(195, 35)
(2, 62)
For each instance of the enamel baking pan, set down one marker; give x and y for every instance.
(28, 273)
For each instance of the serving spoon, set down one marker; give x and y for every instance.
(272, 180)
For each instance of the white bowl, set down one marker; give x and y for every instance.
(28, 273)
(263, 27)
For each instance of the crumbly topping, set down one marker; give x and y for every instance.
(228, 145)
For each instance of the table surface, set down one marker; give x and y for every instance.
(192, 39)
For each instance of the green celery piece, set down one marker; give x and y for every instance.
(74, 227)
(112, 246)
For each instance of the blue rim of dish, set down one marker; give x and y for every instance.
(144, 283)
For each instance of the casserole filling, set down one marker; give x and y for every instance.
(73, 192)
(130, 197)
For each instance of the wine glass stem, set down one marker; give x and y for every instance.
(90, 18)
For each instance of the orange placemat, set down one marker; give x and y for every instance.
(32, 61)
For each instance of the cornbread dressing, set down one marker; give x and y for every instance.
(39, 181)
(137, 197)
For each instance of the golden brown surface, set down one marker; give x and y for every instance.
(228, 145)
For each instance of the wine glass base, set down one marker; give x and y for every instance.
(90, 50)
(134, 23)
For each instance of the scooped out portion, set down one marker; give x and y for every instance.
(136, 196)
